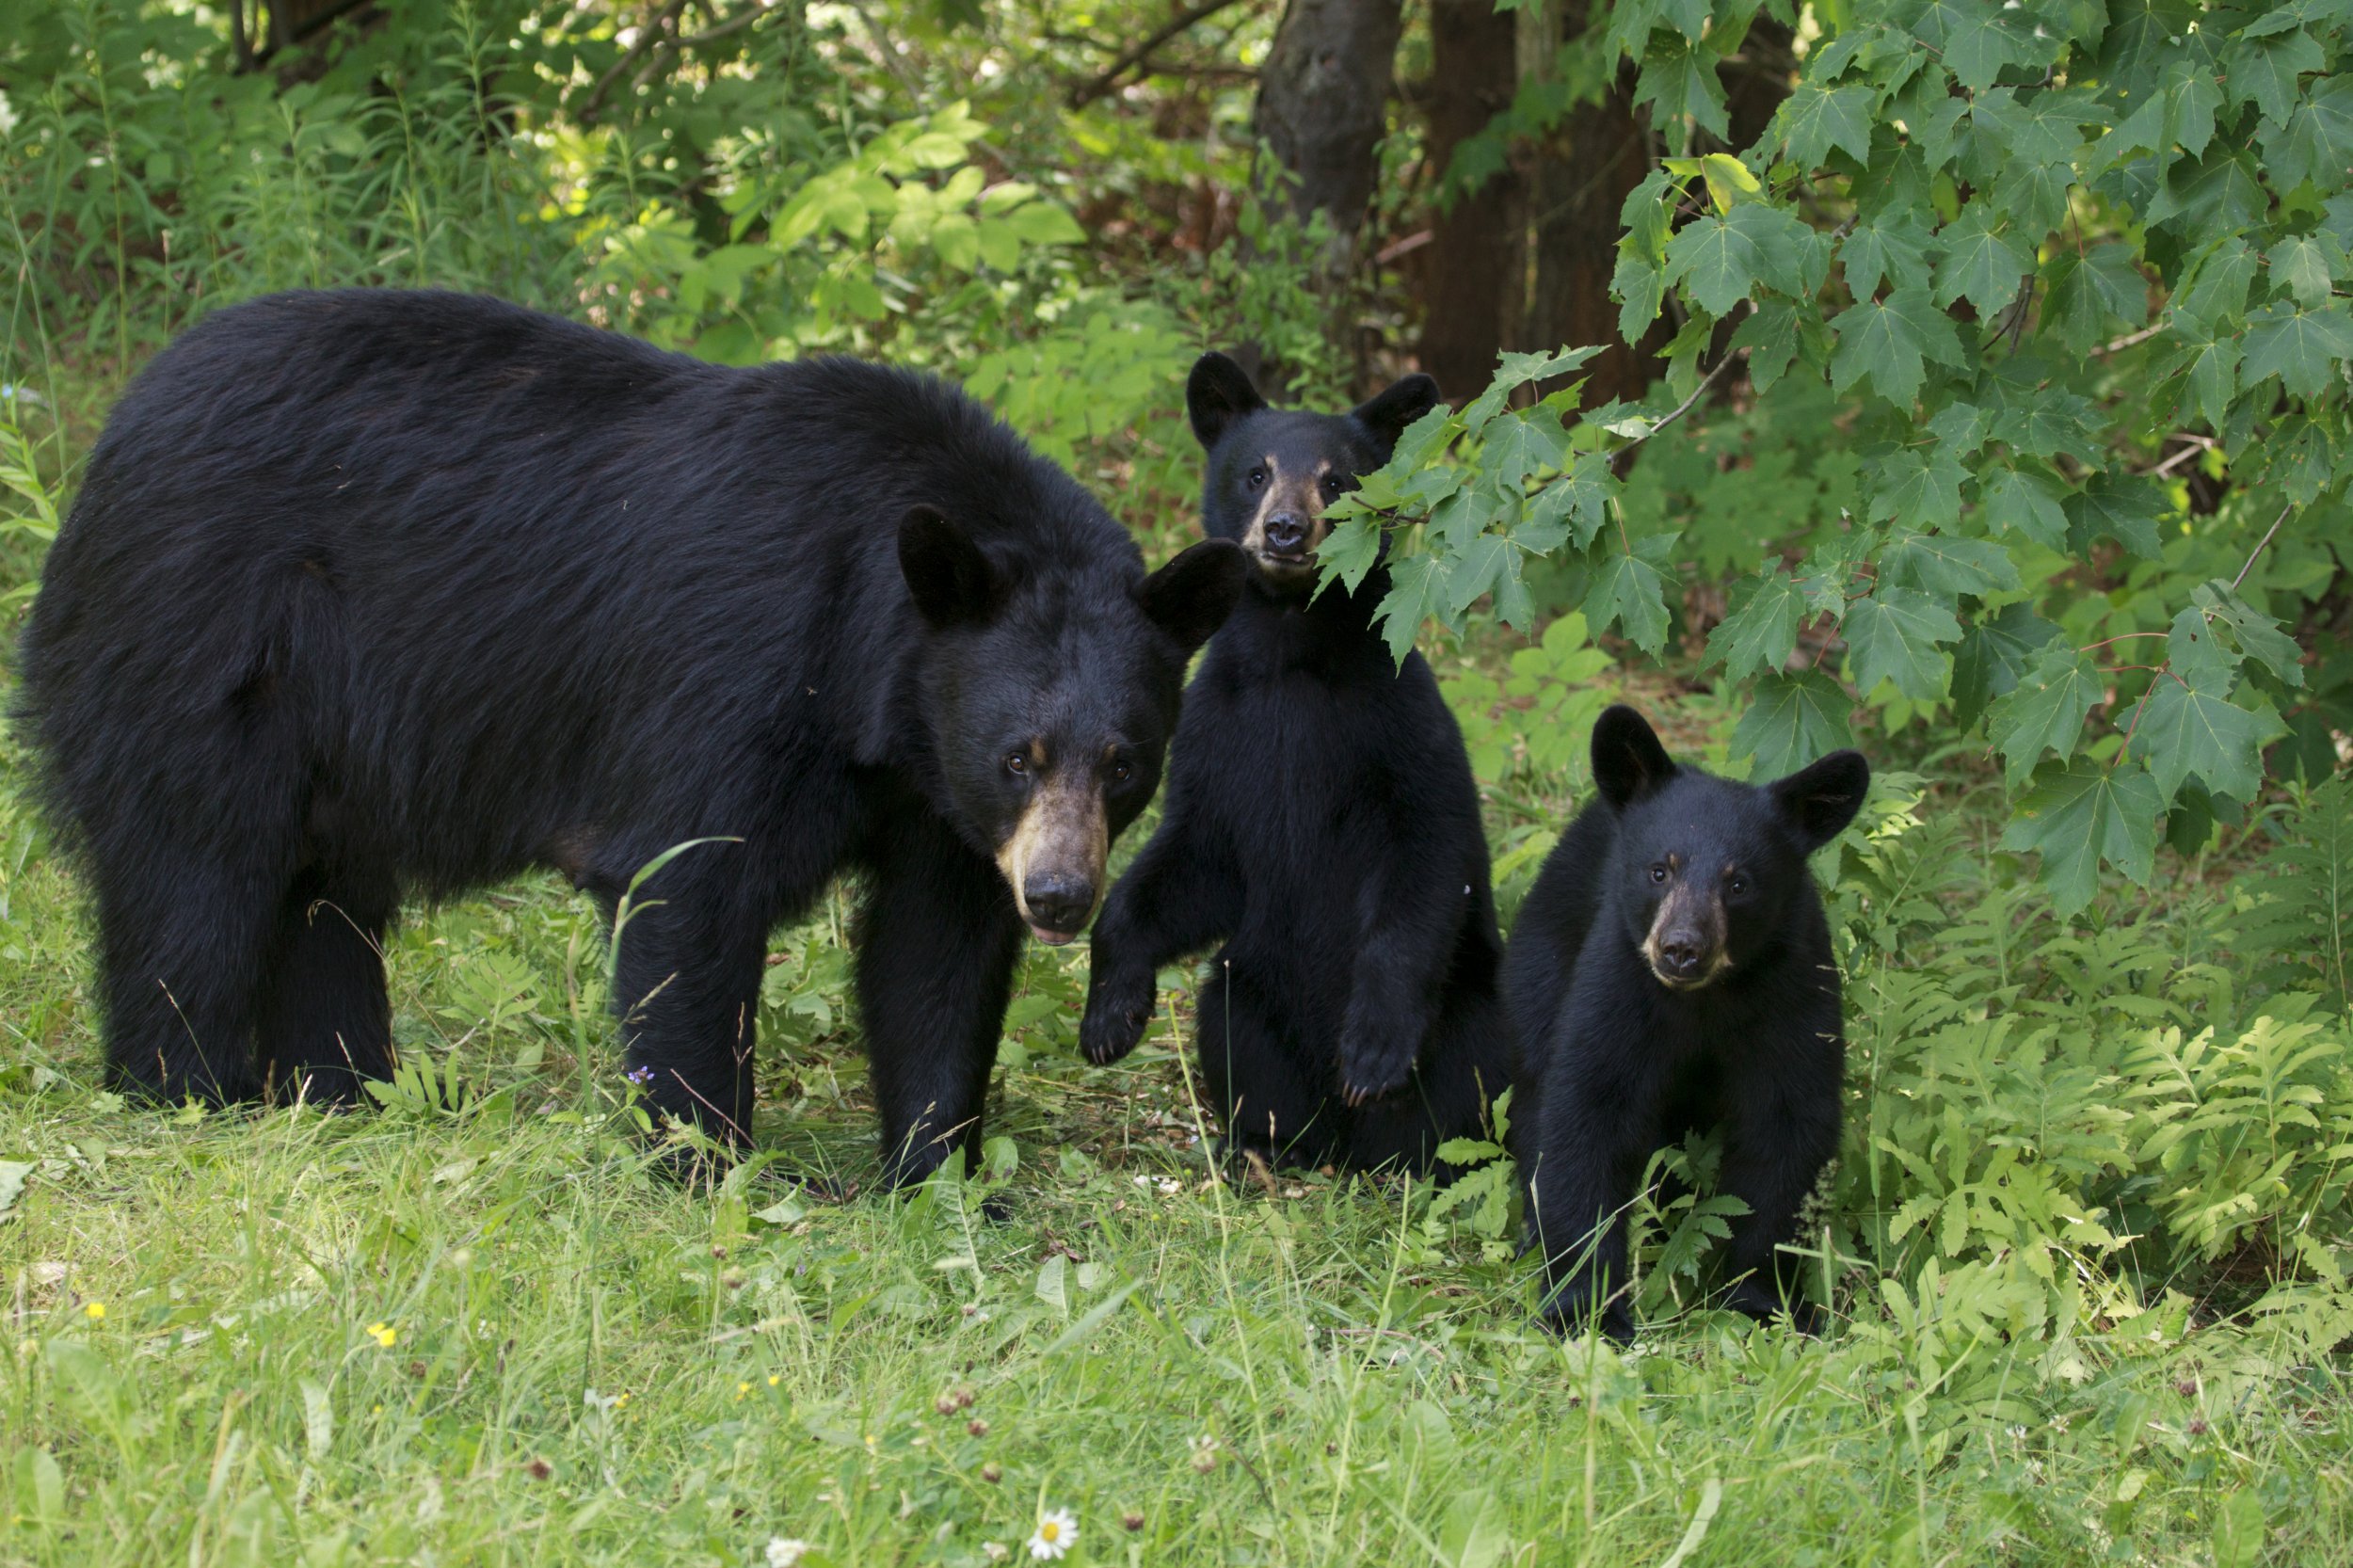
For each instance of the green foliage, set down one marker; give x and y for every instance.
(2040, 257)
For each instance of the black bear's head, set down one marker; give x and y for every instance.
(1271, 472)
(1050, 693)
(1705, 869)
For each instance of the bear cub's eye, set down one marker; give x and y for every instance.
(1333, 484)
(1016, 763)
(1257, 477)
(1122, 772)
(1737, 886)
(1658, 874)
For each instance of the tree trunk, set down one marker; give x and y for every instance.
(1324, 98)
(1588, 165)
(1473, 277)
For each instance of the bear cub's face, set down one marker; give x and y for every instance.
(1703, 868)
(1273, 471)
(1049, 700)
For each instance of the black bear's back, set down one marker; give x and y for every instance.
(490, 574)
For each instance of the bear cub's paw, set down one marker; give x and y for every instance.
(1569, 1311)
(1118, 1007)
(1376, 1056)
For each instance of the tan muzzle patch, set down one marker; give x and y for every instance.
(1300, 495)
(1061, 834)
(1700, 919)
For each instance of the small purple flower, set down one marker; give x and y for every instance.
(641, 1076)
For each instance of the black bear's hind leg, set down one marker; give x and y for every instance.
(686, 986)
(182, 941)
(938, 943)
(1271, 1109)
(325, 1021)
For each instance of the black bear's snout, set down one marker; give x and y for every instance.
(1057, 902)
(1681, 957)
(1287, 533)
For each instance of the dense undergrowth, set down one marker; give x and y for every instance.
(2086, 1245)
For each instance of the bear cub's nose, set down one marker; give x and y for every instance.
(1058, 902)
(1680, 958)
(1287, 533)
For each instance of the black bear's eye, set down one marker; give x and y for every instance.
(1016, 763)
(1333, 484)
(1658, 874)
(1738, 886)
(1257, 477)
(1122, 772)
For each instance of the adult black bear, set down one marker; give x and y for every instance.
(1671, 970)
(1321, 821)
(369, 593)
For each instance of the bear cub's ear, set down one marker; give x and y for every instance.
(951, 580)
(1191, 597)
(1628, 761)
(1821, 800)
(1217, 393)
(1405, 401)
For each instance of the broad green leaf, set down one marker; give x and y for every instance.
(1348, 553)
(1679, 79)
(2210, 364)
(1893, 247)
(2081, 814)
(1775, 333)
(1578, 500)
(2298, 345)
(1981, 263)
(1421, 441)
(1761, 631)
(1417, 591)
(1815, 118)
(2258, 635)
(2025, 500)
(2053, 692)
(1518, 370)
(1992, 656)
(2124, 507)
(2193, 652)
(1893, 634)
(2318, 142)
(2304, 265)
(2262, 70)
(2088, 295)
(2217, 287)
(2033, 193)
(1887, 339)
(1631, 593)
(1720, 259)
(1792, 720)
(2190, 726)
(1045, 223)
(1948, 567)
(2045, 421)
(1984, 41)
(1519, 444)
(1919, 489)
(2037, 125)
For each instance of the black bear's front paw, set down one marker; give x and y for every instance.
(1376, 1058)
(1117, 1010)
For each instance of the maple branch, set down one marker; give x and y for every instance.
(2258, 547)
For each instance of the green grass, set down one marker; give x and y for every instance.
(488, 1335)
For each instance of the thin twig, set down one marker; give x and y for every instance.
(649, 34)
(1697, 392)
(2117, 345)
(1104, 80)
(2258, 547)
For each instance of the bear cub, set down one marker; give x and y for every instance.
(1670, 972)
(1319, 821)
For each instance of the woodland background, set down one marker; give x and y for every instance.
(1964, 381)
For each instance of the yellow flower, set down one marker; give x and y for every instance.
(774, 1378)
(95, 1311)
(741, 1390)
(383, 1334)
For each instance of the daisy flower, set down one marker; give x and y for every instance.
(784, 1551)
(1056, 1532)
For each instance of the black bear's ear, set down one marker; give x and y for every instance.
(1217, 393)
(1628, 761)
(1821, 800)
(1191, 597)
(952, 580)
(1405, 401)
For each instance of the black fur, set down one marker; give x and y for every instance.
(1618, 1061)
(1320, 823)
(372, 592)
